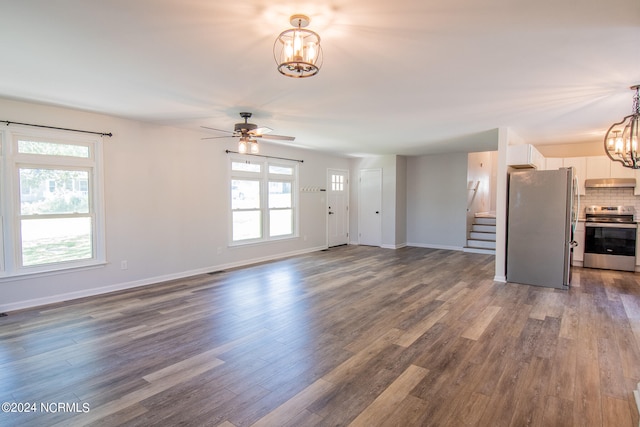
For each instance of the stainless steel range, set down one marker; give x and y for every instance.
(610, 237)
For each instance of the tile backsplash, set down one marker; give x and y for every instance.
(609, 197)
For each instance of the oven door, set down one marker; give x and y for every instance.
(610, 246)
(610, 238)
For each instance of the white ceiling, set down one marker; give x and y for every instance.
(399, 77)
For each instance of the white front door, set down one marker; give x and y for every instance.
(338, 207)
(370, 207)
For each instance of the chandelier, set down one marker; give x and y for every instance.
(621, 140)
(297, 50)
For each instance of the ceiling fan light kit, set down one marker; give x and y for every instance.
(297, 51)
(621, 140)
(248, 134)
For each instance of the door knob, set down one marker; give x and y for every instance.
(330, 213)
(377, 212)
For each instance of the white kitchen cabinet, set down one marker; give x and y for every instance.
(553, 163)
(619, 171)
(578, 251)
(524, 156)
(579, 165)
(598, 167)
(604, 167)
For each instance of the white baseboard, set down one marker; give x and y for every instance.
(402, 245)
(36, 302)
(501, 279)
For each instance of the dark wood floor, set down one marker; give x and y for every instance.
(350, 336)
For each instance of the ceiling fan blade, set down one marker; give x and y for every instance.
(217, 130)
(261, 130)
(277, 137)
(218, 137)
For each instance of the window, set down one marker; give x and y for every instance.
(262, 200)
(53, 208)
(337, 182)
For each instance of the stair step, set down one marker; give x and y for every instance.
(484, 221)
(485, 244)
(483, 228)
(480, 235)
(479, 250)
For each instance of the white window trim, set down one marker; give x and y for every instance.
(264, 177)
(11, 161)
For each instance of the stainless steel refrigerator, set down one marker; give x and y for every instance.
(540, 227)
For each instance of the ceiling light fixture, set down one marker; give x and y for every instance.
(242, 145)
(621, 140)
(254, 146)
(297, 50)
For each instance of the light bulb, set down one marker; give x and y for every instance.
(619, 145)
(310, 53)
(288, 51)
(297, 46)
(254, 147)
(242, 146)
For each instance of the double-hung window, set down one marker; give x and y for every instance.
(263, 202)
(53, 203)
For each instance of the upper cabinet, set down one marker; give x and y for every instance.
(579, 165)
(598, 167)
(525, 156)
(553, 163)
(619, 171)
(604, 167)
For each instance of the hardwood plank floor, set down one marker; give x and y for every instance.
(353, 335)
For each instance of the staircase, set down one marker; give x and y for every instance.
(482, 237)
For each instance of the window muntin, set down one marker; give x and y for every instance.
(262, 201)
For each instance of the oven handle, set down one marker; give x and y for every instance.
(609, 225)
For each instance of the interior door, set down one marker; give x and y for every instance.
(370, 207)
(338, 207)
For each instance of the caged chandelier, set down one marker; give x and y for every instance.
(297, 50)
(621, 140)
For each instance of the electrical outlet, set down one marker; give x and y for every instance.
(123, 265)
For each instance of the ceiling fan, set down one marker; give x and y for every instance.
(247, 132)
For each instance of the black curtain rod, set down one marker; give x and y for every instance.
(260, 155)
(53, 127)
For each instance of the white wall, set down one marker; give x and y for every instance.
(401, 201)
(437, 200)
(166, 206)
